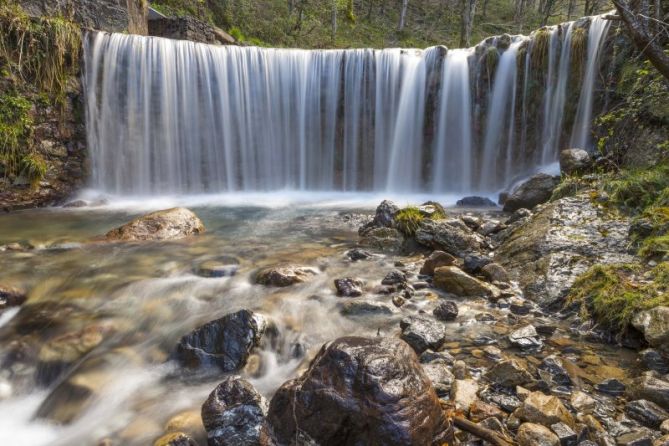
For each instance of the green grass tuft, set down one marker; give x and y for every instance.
(408, 220)
(34, 168)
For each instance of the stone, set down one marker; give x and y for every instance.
(495, 272)
(574, 161)
(479, 411)
(455, 281)
(395, 277)
(565, 434)
(475, 202)
(611, 386)
(634, 438)
(436, 260)
(460, 369)
(525, 338)
(447, 236)
(234, 414)
(651, 388)
(662, 441)
(582, 402)
(531, 434)
(509, 373)
(654, 360)
(473, 264)
(283, 276)
(189, 422)
(543, 409)
(446, 311)
(490, 227)
(225, 343)
(654, 324)
(356, 254)
(349, 287)
(464, 393)
(493, 424)
(384, 239)
(216, 269)
(76, 204)
(664, 427)
(360, 391)
(175, 439)
(646, 412)
(366, 308)
(553, 372)
(440, 376)
(518, 215)
(169, 224)
(11, 297)
(422, 333)
(536, 190)
(383, 218)
(430, 356)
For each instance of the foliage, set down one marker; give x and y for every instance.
(33, 167)
(613, 294)
(571, 185)
(408, 220)
(637, 189)
(15, 131)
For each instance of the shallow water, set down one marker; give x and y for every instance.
(144, 297)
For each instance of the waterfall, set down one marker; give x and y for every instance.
(166, 116)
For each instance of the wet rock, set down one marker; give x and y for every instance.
(634, 438)
(574, 161)
(526, 338)
(464, 393)
(651, 388)
(530, 434)
(664, 427)
(383, 239)
(495, 272)
(234, 414)
(582, 402)
(611, 386)
(445, 235)
(175, 439)
(398, 301)
(282, 276)
(538, 189)
(646, 412)
(189, 422)
(475, 202)
(509, 373)
(518, 215)
(422, 333)
(360, 391)
(479, 411)
(520, 307)
(460, 369)
(508, 403)
(446, 311)
(490, 227)
(395, 277)
(471, 221)
(440, 376)
(455, 281)
(662, 441)
(493, 424)
(76, 204)
(11, 297)
(383, 218)
(365, 308)
(473, 264)
(565, 434)
(430, 356)
(225, 343)
(169, 224)
(349, 287)
(543, 409)
(654, 360)
(654, 324)
(436, 260)
(213, 268)
(356, 254)
(553, 372)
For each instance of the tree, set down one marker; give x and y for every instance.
(403, 13)
(467, 22)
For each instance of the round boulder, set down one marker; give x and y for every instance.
(169, 224)
(282, 276)
(573, 161)
(532, 192)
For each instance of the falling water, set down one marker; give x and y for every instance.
(167, 116)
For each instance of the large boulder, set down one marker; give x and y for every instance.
(446, 235)
(436, 259)
(360, 391)
(475, 202)
(453, 280)
(548, 251)
(538, 189)
(654, 324)
(234, 414)
(169, 224)
(383, 218)
(422, 333)
(225, 343)
(574, 161)
(650, 388)
(282, 276)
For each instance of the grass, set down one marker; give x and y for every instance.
(613, 294)
(408, 219)
(637, 189)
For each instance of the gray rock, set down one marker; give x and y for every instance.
(383, 239)
(436, 260)
(446, 311)
(349, 287)
(213, 268)
(651, 388)
(634, 438)
(366, 308)
(509, 373)
(473, 263)
(464, 393)
(495, 272)
(384, 216)
(611, 386)
(422, 333)
(430, 356)
(646, 412)
(565, 434)
(234, 414)
(395, 277)
(518, 215)
(531, 434)
(356, 254)
(536, 190)
(445, 235)
(654, 324)
(654, 360)
(441, 377)
(526, 338)
(574, 161)
(553, 372)
(475, 202)
(169, 224)
(455, 281)
(283, 276)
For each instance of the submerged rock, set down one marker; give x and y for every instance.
(611, 386)
(395, 277)
(573, 161)
(169, 224)
(225, 343)
(473, 263)
(234, 414)
(11, 297)
(445, 235)
(282, 276)
(475, 201)
(366, 308)
(422, 333)
(356, 254)
(349, 287)
(538, 189)
(495, 272)
(464, 393)
(213, 268)
(453, 280)
(360, 391)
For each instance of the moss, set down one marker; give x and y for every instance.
(16, 128)
(655, 246)
(408, 220)
(579, 48)
(33, 167)
(613, 294)
(638, 189)
(539, 47)
(570, 186)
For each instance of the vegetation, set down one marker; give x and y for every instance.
(408, 220)
(613, 294)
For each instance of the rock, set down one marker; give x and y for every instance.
(383, 239)
(234, 414)
(553, 372)
(422, 333)
(11, 297)
(475, 202)
(543, 409)
(565, 434)
(6, 390)
(189, 422)
(508, 403)
(651, 388)
(634, 438)
(225, 343)
(349, 287)
(495, 272)
(366, 308)
(582, 402)
(436, 260)
(356, 254)
(646, 412)
(455, 281)
(654, 360)
(445, 235)
(611, 386)
(175, 439)
(493, 424)
(383, 218)
(558, 243)
(654, 324)
(440, 376)
(490, 227)
(538, 189)
(519, 306)
(169, 224)
(464, 393)
(446, 311)
(460, 369)
(530, 434)
(76, 204)
(521, 214)
(664, 427)
(479, 411)
(213, 268)
(473, 264)
(574, 161)
(429, 356)
(360, 391)
(526, 337)
(509, 373)
(662, 441)
(395, 277)
(282, 276)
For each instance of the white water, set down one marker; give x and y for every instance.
(175, 117)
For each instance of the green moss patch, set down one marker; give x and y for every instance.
(408, 220)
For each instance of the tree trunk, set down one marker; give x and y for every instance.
(333, 18)
(570, 10)
(466, 22)
(485, 9)
(403, 14)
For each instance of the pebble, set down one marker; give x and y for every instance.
(611, 386)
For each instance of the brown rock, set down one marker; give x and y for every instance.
(169, 224)
(436, 260)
